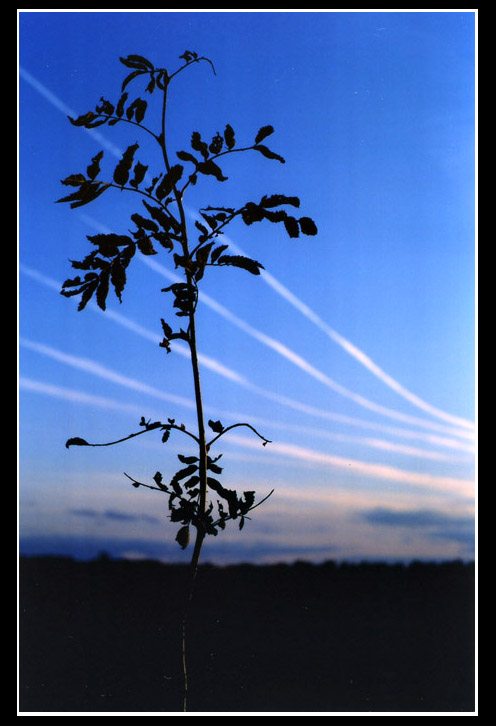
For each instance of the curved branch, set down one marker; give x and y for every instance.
(215, 232)
(233, 426)
(184, 431)
(82, 442)
(153, 427)
(134, 123)
(189, 63)
(141, 484)
(216, 156)
(144, 194)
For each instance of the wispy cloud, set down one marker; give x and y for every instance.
(114, 515)
(291, 451)
(80, 397)
(432, 523)
(285, 351)
(307, 367)
(97, 369)
(67, 111)
(451, 485)
(354, 351)
(179, 348)
(217, 367)
(309, 456)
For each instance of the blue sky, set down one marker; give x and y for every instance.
(353, 352)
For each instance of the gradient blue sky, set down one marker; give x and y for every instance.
(353, 352)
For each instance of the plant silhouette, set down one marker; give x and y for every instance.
(198, 502)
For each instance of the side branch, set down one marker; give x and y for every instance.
(76, 441)
(142, 484)
(121, 119)
(193, 58)
(233, 426)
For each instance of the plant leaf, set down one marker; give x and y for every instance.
(133, 58)
(76, 441)
(144, 223)
(182, 537)
(103, 288)
(268, 153)
(211, 168)
(216, 426)
(186, 156)
(198, 145)
(83, 120)
(139, 174)
(263, 133)
(118, 277)
(94, 168)
(74, 180)
(119, 109)
(229, 136)
(108, 244)
(275, 200)
(307, 226)
(169, 181)
(121, 172)
(217, 252)
(291, 226)
(187, 459)
(245, 263)
(130, 77)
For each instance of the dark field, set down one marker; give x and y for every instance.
(104, 636)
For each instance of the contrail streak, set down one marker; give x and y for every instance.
(286, 352)
(61, 106)
(452, 485)
(75, 396)
(353, 466)
(176, 347)
(305, 310)
(217, 367)
(352, 349)
(90, 366)
(303, 364)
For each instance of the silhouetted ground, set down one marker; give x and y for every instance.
(104, 636)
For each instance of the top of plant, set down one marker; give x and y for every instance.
(160, 223)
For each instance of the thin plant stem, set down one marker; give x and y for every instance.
(202, 442)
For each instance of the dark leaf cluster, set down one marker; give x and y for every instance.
(105, 266)
(86, 188)
(266, 210)
(185, 297)
(208, 151)
(184, 499)
(170, 335)
(107, 112)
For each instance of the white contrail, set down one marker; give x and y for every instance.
(97, 369)
(217, 367)
(303, 364)
(61, 106)
(291, 451)
(180, 348)
(286, 352)
(452, 485)
(352, 349)
(80, 397)
(299, 305)
(73, 396)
